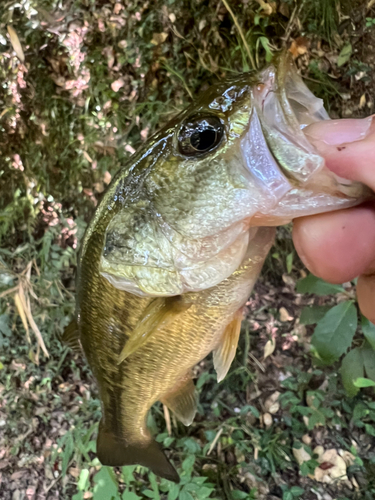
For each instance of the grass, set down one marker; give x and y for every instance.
(60, 143)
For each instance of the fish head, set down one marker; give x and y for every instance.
(187, 208)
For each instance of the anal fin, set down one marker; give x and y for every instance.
(183, 400)
(70, 337)
(224, 354)
(158, 314)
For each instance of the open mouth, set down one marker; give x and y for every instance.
(293, 176)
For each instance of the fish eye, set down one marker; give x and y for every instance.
(200, 134)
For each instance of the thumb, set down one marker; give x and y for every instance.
(348, 147)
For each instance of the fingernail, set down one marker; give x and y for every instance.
(336, 132)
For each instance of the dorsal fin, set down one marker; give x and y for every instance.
(183, 400)
(70, 337)
(225, 352)
(158, 314)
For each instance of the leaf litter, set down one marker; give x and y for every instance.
(113, 69)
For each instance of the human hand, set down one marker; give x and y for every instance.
(340, 246)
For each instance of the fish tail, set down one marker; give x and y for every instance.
(115, 451)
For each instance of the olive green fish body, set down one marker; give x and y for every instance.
(106, 319)
(178, 240)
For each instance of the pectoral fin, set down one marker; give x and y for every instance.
(224, 354)
(70, 337)
(183, 400)
(158, 314)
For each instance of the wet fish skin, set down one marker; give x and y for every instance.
(163, 365)
(172, 245)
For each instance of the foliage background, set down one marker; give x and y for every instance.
(98, 78)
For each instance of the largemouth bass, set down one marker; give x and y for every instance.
(178, 241)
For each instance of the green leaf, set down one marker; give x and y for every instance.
(192, 446)
(289, 262)
(185, 495)
(154, 486)
(252, 409)
(188, 464)
(204, 492)
(266, 45)
(174, 490)
(68, 450)
(287, 496)
(370, 430)
(128, 473)
(82, 481)
(78, 496)
(4, 325)
(345, 54)
(313, 314)
(129, 495)
(149, 493)
(304, 469)
(363, 382)
(296, 491)
(368, 330)
(368, 355)
(239, 495)
(312, 284)
(352, 369)
(105, 487)
(334, 333)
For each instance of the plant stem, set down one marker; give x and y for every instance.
(252, 62)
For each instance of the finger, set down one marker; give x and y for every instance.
(366, 296)
(337, 246)
(348, 147)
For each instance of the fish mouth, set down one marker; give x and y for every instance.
(288, 168)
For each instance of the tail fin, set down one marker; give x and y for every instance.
(117, 452)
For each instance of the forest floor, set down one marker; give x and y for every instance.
(98, 77)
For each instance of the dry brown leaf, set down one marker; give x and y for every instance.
(284, 9)
(117, 84)
(348, 457)
(159, 38)
(299, 47)
(267, 8)
(16, 44)
(271, 405)
(267, 420)
(306, 439)
(202, 24)
(301, 455)
(74, 471)
(87, 156)
(107, 177)
(362, 101)
(332, 467)
(25, 302)
(269, 348)
(167, 418)
(216, 439)
(21, 312)
(284, 315)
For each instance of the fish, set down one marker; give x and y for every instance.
(177, 243)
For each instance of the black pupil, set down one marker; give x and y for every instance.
(200, 134)
(203, 139)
